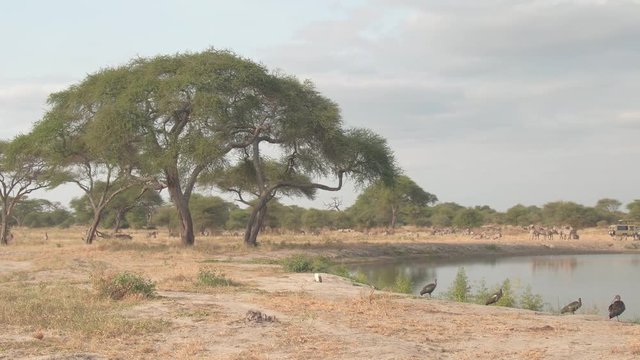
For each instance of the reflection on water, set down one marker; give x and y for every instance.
(554, 264)
(560, 279)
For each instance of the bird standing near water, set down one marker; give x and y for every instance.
(494, 298)
(572, 307)
(428, 289)
(616, 308)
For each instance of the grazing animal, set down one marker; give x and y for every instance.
(494, 298)
(572, 307)
(616, 308)
(428, 289)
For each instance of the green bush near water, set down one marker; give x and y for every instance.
(301, 263)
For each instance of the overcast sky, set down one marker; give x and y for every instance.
(484, 102)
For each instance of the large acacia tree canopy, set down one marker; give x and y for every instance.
(176, 117)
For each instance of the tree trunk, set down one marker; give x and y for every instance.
(255, 223)
(4, 230)
(93, 229)
(394, 216)
(118, 220)
(181, 202)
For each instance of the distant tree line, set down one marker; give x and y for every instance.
(372, 208)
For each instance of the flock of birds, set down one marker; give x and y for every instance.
(615, 308)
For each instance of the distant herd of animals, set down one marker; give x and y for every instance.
(615, 308)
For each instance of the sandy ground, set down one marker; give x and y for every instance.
(334, 319)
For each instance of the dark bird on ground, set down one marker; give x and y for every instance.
(428, 289)
(572, 307)
(494, 298)
(616, 308)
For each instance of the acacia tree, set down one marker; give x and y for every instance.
(634, 210)
(383, 201)
(138, 196)
(84, 135)
(22, 171)
(297, 138)
(174, 110)
(27, 207)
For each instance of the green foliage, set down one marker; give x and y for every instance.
(634, 211)
(213, 278)
(209, 212)
(380, 202)
(165, 216)
(123, 284)
(303, 263)
(522, 215)
(481, 294)
(531, 301)
(608, 205)
(237, 219)
(403, 284)
(35, 213)
(468, 218)
(459, 290)
(508, 298)
(444, 213)
(316, 219)
(570, 213)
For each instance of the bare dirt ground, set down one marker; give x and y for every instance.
(334, 319)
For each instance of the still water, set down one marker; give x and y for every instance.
(560, 279)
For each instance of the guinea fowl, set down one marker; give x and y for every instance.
(494, 298)
(572, 307)
(616, 308)
(428, 289)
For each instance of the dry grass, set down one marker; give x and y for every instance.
(60, 307)
(47, 306)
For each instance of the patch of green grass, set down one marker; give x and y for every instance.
(117, 286)
(492, 247)
(69, 308)
(213, 278)
(301, 263)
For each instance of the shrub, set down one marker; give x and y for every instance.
(459, 290)
(303, 263)
(508, 296)
(403, 284)
(531, 301)
(123, 284)
(213, 278)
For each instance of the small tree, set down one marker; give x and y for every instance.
(22, 171)
(459, 290)
(634, 210)
(390, 202)
(468, 218)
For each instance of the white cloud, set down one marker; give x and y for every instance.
(22, 104)
(486, 91)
